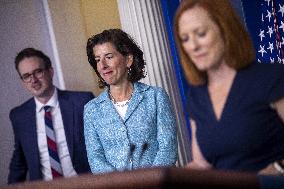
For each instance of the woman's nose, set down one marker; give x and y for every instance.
(102, 64)
(193, 45)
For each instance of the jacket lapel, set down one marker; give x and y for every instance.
(29, 123)
(137, 97)
(109, 109)
(67, 112)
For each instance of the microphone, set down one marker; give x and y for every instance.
(132, 148)
(144, 148)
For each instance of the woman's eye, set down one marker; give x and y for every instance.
(184, 38)
(109, 57)
(201, 34)
(97, 60)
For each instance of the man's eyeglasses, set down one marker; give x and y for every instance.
(38, 73)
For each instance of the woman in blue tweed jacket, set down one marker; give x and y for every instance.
(130, 125)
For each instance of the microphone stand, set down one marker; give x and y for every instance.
(132, 148)
(144, 148)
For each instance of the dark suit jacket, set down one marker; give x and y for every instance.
(26, 153)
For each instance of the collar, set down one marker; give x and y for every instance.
(53, 102)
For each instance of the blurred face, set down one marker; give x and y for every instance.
(111, 65)
(201, 39)
(35, 78)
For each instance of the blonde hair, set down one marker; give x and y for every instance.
(239, 50)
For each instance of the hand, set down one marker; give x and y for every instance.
(269, 170)
(196, 166)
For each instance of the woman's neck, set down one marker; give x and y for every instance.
(122, 92)
(223, 74)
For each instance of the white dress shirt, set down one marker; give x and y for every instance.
(63, 152)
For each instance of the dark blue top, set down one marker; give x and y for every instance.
(271, 181)
(249, 134)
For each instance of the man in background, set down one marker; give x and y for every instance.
(48, 128)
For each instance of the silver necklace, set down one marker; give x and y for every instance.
(118, 104)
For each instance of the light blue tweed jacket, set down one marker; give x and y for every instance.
(147, 137)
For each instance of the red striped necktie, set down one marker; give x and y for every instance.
(56, 168)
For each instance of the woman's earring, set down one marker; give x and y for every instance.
(129, 71)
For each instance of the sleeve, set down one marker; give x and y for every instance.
(95, 151)
(18, 167)
(276, 83)
(166, 132)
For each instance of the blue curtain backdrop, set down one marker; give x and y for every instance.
(265, 22)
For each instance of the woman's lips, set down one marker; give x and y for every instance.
(107, 73)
